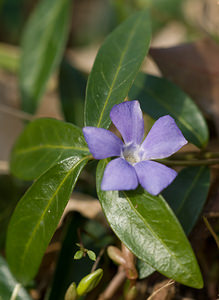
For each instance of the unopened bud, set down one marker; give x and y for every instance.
(132, 293)
(116, 255)
(89, 282)
(71, 293)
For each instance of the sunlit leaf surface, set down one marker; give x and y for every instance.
(37, 215)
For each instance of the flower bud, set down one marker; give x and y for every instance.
(116, 255)
(71, 293)
(89, 282)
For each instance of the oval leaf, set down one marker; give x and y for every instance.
(37, 215)
(43, 143)
(187, 195)
(8, 283)
(159, 97)
(148, 227)
(43, 43)
(115, 68)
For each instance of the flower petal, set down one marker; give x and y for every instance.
(164, 139)
(119, 175)
(102, 143)
(153, 176)
(128, 119)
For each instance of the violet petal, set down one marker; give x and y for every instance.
(153, 176)
(102, 143)
(164, 139)
(119, 175)
(128, 119)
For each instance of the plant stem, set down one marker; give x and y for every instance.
(15, 291)
(211, 231)
(200, 162)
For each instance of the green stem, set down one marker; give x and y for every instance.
(200, 162)
(15, 291)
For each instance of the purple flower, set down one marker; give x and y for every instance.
(135, 163)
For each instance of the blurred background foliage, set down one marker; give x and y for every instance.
(173, 23)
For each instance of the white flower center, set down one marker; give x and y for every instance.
(131, 153)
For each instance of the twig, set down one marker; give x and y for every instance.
(158, 290)
(211, 231)
(16, 113)
(201, 162)
(97, 260)
(15, 291)
(114, 285)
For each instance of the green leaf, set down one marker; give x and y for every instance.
(78, 254)
(144, 269)
(115, 68)
(187, 195)
(43, 43)
(159, 97)
(37, 215)
(43, 143)
(149, 228)
(91, 255)
(72, 86)
(8, 283)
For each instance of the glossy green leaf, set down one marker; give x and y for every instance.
(144, 269)
(159, 97)
(43, 44)
(37, 215)
(72, 86)
(149, 228)
(43, 143)
(187, 195)
(115, 68)
(8, 283)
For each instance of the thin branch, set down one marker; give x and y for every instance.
(158, 290)
(97, 260)
(16, 113)
(114, 285)
(211, 231)
(201, 162)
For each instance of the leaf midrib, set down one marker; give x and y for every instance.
(28, 244)
(49, 146)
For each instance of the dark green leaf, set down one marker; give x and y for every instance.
(91, 255)
(37, 215)
(149, 228)
(144, 269)
(69, 269)
(72, 86)
(187, 195)
(159, 97)
(115, 68)
(78, 254)
(43, 143)
(8, 283)
(42, 46)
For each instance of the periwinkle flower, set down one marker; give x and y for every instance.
(135, 163)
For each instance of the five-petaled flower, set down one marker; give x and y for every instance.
(135, 163)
